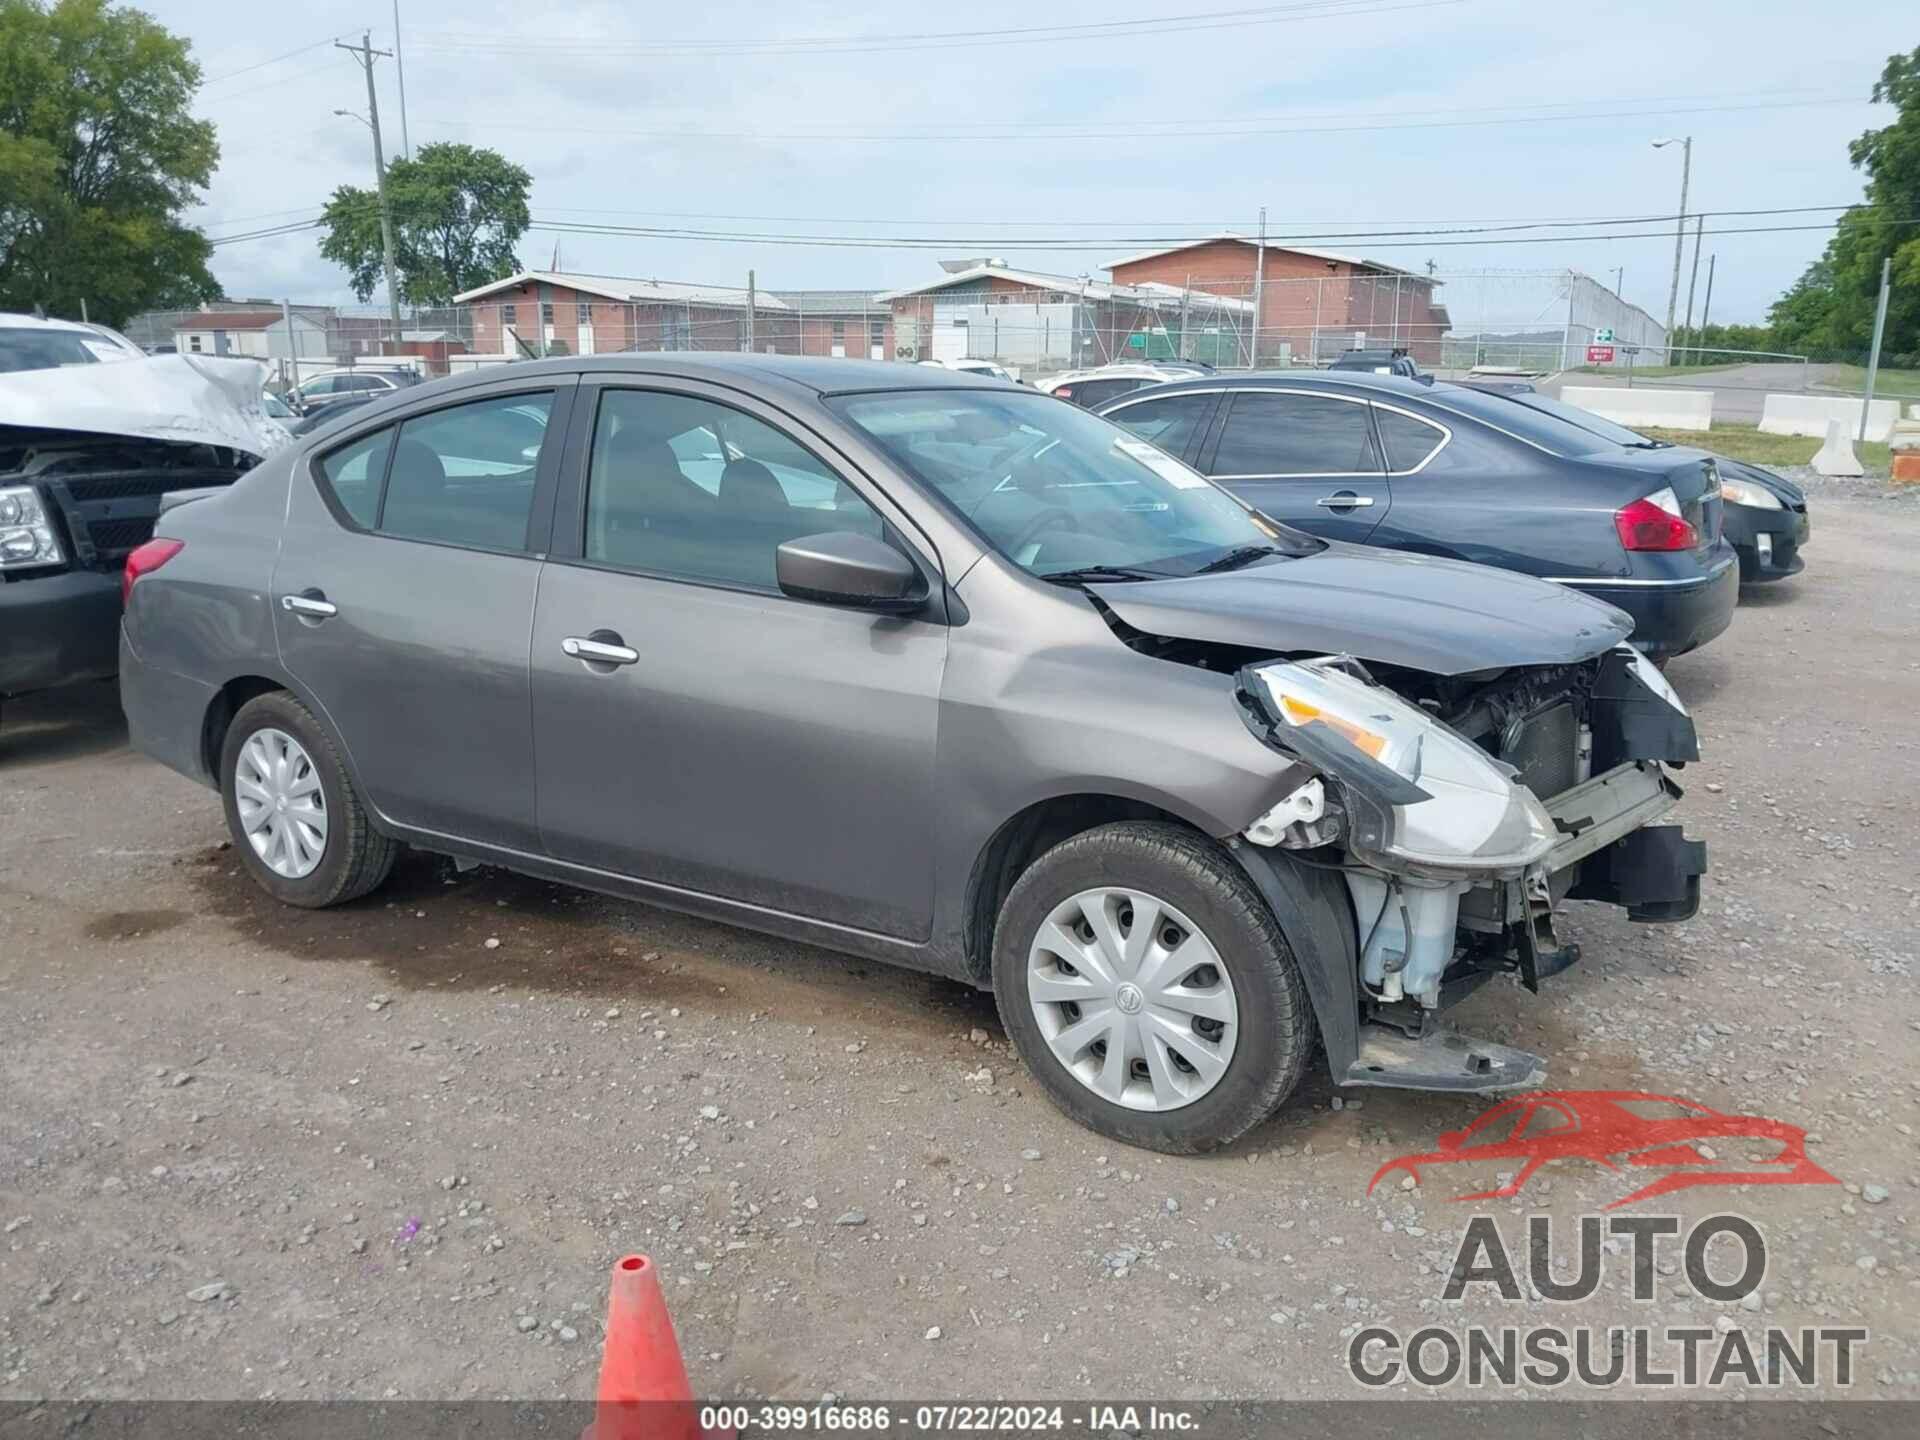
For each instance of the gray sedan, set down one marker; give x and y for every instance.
(932, 669)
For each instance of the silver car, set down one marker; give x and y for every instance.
(929, 669)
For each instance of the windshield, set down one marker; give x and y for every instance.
(46, 350)
(1587, 420)
(1060, 491)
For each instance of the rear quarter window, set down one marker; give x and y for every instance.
(354, 474)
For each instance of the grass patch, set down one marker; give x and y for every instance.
(1746, 442)
(1655, 372)
(1887, 385)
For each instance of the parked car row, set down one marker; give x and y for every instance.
(943, 672)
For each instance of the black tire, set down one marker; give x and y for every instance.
(1195, 875)
(357, 857)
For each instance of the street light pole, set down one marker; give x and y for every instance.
(365, 53)
(1679, 229)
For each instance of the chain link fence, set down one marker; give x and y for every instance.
(1530, 322)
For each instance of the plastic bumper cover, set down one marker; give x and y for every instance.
(57, 629)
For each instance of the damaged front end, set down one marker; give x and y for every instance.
(1458, 811)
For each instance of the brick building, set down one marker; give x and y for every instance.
(544, 312)
(1313, 303)
(988, 310)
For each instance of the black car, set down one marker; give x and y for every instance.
(1766, 514)
(1378, 362)
(1444, 470)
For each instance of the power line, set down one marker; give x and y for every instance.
(1488, 234)
(274, 60)
(912, 137)
(468, 41)
(1084, 246)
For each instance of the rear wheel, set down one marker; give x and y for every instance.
(1150, 989)
(296, 820)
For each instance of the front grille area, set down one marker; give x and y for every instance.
(113, 539)
(108, 513)
(1545, 748)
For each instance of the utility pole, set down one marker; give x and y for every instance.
(400, 74)
(1185, 351)
(1707, 308)
(1679, 231)
(1620, 282)
(751, 297)
(1259, 291)
(1879, 329)
(1699, 228)
(365, 54)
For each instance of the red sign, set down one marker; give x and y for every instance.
(1599, 354)
(1624, 1131)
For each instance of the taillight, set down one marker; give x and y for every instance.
(146, 559)
(1654, 522)
(1065, 392)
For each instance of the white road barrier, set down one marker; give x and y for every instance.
(1658, 407)
(1836, 457)
(1809, 414)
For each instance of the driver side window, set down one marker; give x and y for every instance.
(691, 489)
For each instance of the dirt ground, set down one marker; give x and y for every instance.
(248, 1151)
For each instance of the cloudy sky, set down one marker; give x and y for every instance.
(866, 122)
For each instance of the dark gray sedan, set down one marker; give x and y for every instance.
(932, 669)
(1440, 469)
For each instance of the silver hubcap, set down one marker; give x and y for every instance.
(283, 810)
(1132, 999)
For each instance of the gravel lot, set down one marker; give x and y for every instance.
(392, 1150)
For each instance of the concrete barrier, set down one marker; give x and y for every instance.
(1656, 407)
(1809, 414)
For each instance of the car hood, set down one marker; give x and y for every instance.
(196, 399)
(1444, 617)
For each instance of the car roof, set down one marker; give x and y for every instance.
(821, 375)
(14, 321)
(1388, 386)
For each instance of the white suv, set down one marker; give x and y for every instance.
(1088, 388)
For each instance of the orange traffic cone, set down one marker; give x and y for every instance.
(644, 1393)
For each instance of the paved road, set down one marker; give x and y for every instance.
(406, 1156)
(1738, 393)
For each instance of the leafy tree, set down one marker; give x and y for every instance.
(98, 156)
(457, 213)
(1830, 308)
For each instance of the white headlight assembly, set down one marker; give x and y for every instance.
(1745, 492)
(1445, 806)
(26, 534)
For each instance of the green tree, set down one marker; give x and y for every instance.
(1830, 308)
(98, 157)
(457, 210)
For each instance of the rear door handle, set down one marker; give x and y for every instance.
(311, 602)
(1345, 500)
(602, 652)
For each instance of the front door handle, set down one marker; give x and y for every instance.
(1345, 500)
(309, 602)
(600, 648)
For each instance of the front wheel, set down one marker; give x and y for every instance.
(297, 822)
(1150, 989)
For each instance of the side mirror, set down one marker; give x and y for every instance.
(844, 568)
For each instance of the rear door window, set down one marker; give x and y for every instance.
(1270, 434)
(465, 475)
